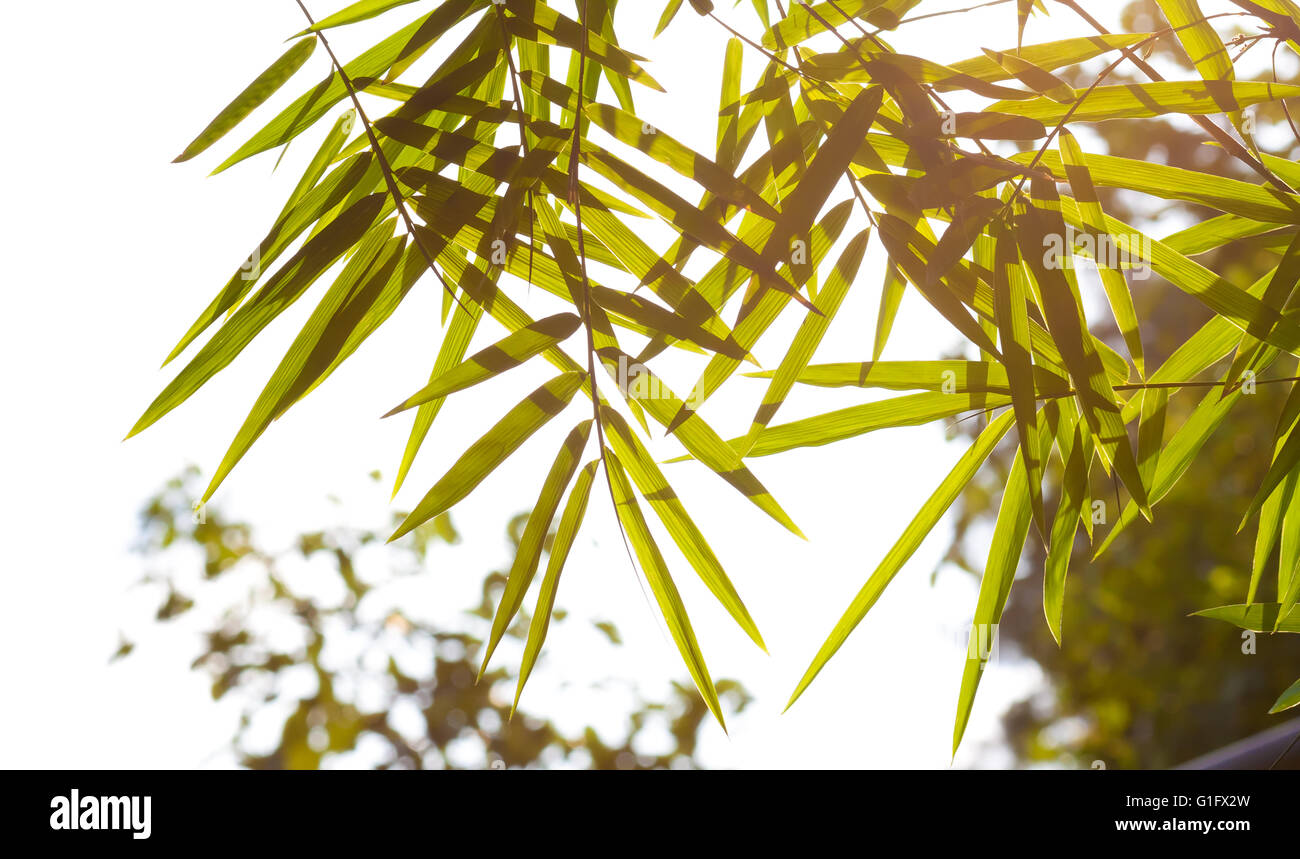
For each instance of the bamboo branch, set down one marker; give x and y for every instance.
(386, 168)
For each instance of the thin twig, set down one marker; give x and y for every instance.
(575, 199)
(1285, 752)
(1285, 110)
(523, 131)
(946, 12)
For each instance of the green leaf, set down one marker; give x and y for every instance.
(359, 11)
(1023, 8)
(1204, 47)
(921, 525)
(308, 203)
(1049, 55)
(1011, 312)
(1063, 310)
(1179, 453)
(670, 12)
(1074, 491)
(570, 521)
(637, 382)
(801, 24)
(537, 22)
(266, 85)
(1151, 434)
(493, 448)
(506, 354)
(1150, 99)
(861, 419)
(320, 341)
(529, 553)
(910, 250)
(455, 342)
(1271, 514)
(1035, 77)
(663, 148)
(312, 105)
(285, 287)
(1287, 699)
(1112, 279)
(1278, 296)
(1257, 617)
(995, 586)
(891, 297)
(1176, 183)
(761, 312)
(661, 584)
(800, 208)
(664, 322)
(808, 337)
(663, 499)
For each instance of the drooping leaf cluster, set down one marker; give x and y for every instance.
(507, 170)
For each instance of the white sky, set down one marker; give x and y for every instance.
(110, 251)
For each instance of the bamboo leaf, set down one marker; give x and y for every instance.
(663, 499)
(1181, 449)
(493, 448)
(921, 525)
(1257, 617)
(957, 377)
(362, 10)
(451, 352)
(265, 86)
(320, 341)
(1062, 308)
(1069, 510)
(1151, 433)
(637, 382)
(1011, 312)
(529, 553)
(1126, 101)
(802, 24)
(1287, 699)
(808, 337)
(668, 151)
(661, 584)
(314, 104)
(995, 586)
(1035, 77)
(285, 287)
(1112, 279)
(1204, 47)
(664, 322)
(858, 420)
(570, 521)
(670, 12)
(891, 297)
(1050, 55)
(506, 354)
(1271, 514)
(308, 203)
(1177, 183)
(537, 22)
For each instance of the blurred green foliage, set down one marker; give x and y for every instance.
(265, 634)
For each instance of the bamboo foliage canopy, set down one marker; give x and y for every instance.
(502, 175)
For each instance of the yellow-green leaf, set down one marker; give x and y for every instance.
(493, 448)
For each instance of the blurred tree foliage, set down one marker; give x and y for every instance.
(1136, 681)
(370, 661)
